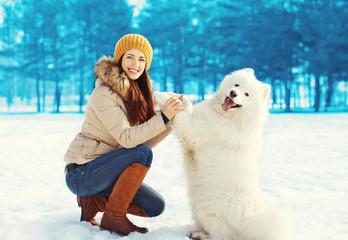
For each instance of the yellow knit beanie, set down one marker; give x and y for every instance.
(131, 41)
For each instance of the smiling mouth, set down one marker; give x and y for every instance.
(132, 70)
(229, 103)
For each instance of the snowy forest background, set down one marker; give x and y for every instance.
(48, 48)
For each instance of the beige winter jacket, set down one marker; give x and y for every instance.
(106, 127)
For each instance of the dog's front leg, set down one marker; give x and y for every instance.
(198, 235)
(184, 128)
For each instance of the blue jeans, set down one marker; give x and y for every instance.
(98, 177)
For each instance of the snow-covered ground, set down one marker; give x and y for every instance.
(304, 167)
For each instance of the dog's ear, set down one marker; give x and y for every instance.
(250, 70)
(267, 91)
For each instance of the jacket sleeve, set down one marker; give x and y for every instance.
(107, 106)
(156, 140)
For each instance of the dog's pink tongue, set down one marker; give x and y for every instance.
(228, 104)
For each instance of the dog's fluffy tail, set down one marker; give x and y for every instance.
(272, 224)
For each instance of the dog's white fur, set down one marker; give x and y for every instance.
(221, 150)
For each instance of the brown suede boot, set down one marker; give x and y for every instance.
(90, 206)
(137, 211)
(114, 219)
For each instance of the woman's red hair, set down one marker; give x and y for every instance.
(139, 103)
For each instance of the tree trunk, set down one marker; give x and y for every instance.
(44, 93)
(346, 94)
(309, 90)
(288, 85)
(82, 68)
(82, 77)
(164, 69)
(203, 75)
(81, 91)
(179, 84)
(317, 93)
(57, 96)
(38, 104)
(287, 96)
(274, 93)
(329, 91)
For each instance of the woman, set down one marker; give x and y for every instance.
(108, 160)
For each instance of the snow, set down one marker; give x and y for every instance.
(304, 168)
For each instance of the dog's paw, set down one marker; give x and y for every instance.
(198, 235)
(160, 98)
(187, 104)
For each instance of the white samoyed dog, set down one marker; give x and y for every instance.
(221, 138)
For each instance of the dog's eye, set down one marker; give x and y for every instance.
(236, 85)
(247, 94)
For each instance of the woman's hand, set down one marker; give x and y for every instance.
(173, 106)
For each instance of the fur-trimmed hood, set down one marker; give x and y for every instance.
(108, 74)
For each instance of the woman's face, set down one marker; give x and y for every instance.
(133, 63)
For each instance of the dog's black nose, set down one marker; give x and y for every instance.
(233, 94)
